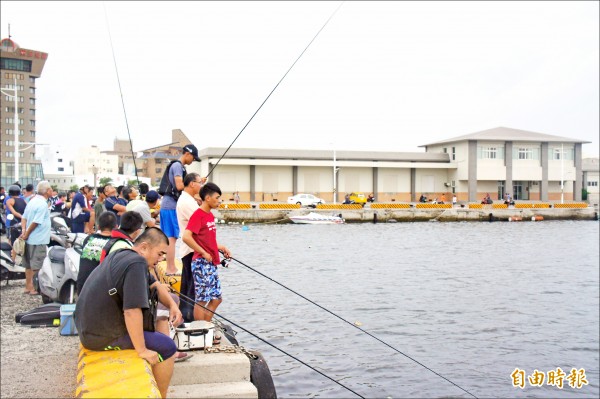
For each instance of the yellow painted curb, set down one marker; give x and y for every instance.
(339, 206)
(235, 206)
(114, 374)
(393, 206)
(438, 206)
(279, 206)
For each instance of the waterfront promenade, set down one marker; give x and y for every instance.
(274, 212)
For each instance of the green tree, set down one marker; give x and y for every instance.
(105, 180)
(74, 187)
(54, 187)
(584, 194)
(132, 182)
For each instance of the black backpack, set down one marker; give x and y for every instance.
(165, 187)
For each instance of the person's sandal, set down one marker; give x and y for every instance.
(182, 356)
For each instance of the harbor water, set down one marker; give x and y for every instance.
(471, 301)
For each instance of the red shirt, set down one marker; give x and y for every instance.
(204, 232)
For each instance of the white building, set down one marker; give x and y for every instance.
(91, 159)
(591, 179)
(528, 165)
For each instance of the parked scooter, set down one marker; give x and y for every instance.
(9, 270)
(58, 276)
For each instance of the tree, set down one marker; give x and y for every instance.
(132, 182)
(54, 187)
(74, 187)
(105, 180)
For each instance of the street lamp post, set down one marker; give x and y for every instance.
(16, 125)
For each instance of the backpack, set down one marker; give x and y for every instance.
(165, 187)
(108, 246)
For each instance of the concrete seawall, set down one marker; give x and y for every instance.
(367, 215)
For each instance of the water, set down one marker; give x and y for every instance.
(472, 301)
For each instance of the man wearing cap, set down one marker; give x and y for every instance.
(172, 183)
(143, 208)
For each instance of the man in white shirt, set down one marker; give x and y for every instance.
(143, 208)
(187, 204)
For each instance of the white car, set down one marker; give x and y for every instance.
(305, 200)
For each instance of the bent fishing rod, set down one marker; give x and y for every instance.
(274, 88)
(191, 301)
(352, 324)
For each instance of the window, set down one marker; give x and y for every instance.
(15, 64)
(9, 142)
(32, 90)
(61, 169)
(445, 150)
(60, 160)
(32, 101)
(158, 170)
(32, 132)
(489, 152)
(592, 184)
(525, 153)
(21, 132)
(32, 112)
(32, 122)
(9, 154)
(9, 120)
(567, 153)
(454, 153)
(9, 131)
(21, 99)
(32, 79)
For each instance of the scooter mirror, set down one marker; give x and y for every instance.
(10, 216)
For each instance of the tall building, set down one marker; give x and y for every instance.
(122, 149)
(20, 69)
(154, 161)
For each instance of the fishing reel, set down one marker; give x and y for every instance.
(225, 262)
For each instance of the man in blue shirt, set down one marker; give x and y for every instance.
(112, 203)
(36, 233)
(168, 214)
(81, 214)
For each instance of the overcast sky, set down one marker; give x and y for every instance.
(380, 76)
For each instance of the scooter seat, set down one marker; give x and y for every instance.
(4, 246)
(57, 254)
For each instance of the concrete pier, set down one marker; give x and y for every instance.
(368, 215)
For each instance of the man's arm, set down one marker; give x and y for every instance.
(189, 240)
(225, 250)
(27, 233)
(179, 183)
(134, 323)
(9, 205)
(164, 297)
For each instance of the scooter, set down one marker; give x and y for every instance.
(9, 270)
(58, 276)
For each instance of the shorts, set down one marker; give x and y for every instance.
(78, 224)
(206, 280)
(168, 223)
(34, 256)
(162, 311)
(155, 341)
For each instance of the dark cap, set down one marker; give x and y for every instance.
(192, 150)
(152, 196)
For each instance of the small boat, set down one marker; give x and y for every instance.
(315, 218)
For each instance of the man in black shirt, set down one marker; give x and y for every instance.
(106, 321)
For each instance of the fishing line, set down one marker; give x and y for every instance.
(277, 85)
(353, 325)
(190, 301)
(121, 92)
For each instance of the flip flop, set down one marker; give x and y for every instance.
(182, 356)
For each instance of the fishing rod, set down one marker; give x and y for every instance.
(277, 85)
(353, 325)
(121, 92)
(191, 301)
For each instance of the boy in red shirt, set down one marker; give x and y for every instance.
(201, 236)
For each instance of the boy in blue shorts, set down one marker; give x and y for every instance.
(201, 236)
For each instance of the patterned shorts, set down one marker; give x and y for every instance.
(206, 279)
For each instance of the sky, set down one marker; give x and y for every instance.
(381, 76)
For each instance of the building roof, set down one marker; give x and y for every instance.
(508, 134)
(263, 153)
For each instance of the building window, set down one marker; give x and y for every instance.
(32, 90)
(489, 153)
(9, 142)
(32, 132)
(32, 79)
(32, 122)
(61, 169)
(445, 150)
(60, 160)
(32, 101)
(525, 153)
(158, 170)
(454, 154)
(592, 184)
(9, 131)
(567, 153)
(9, 154)
(32, 112)
(21, 99)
